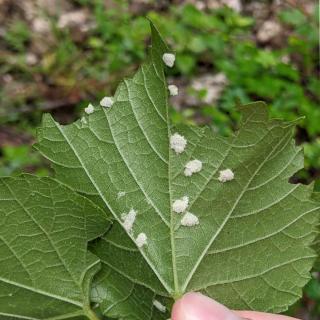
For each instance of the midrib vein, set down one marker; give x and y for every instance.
(149, 96)
(177, 292)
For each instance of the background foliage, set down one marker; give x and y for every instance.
(58, 57)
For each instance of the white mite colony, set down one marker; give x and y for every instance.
(141, 240)
(106, 102)
(84, 120)
(189, 220)
(192, 167)
(121, 194)
(178, 143)
(180, 205)
(159, 306)
(129, 219)
(174, 91)
(89, 109)
(226, 175)
(169, 59)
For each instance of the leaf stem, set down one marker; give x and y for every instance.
(90, 314)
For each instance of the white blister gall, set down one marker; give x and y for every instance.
(84, 120)
(106, 102)
(159, 306)
(129, 219)
(189, 220)
(192, 167)
(169, 59)
(141, 240)
(121, 194)
(226, 175)
(173, 89)
(180, 205)
(178, 143)
(89, 109)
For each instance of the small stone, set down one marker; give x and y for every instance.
(269, 30)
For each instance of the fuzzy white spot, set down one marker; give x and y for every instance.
(159, 306)
(121, 194)
(129, 219)
(106, 102)
(180, 205)
(226, 175)
(84, 120)
(189, 220)
(174, 91)
(89, 109)
(169, 59)
(192, 167)
(141, 240)
(178, 143)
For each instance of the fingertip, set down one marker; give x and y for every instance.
(175, 315)
(254, 315)
(195, 306)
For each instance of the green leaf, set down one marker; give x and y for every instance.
(316, 244)
(253, 230)
(124, 298)
(45, 268)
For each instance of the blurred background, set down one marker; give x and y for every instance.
(58, 55)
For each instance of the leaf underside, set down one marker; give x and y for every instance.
(316, 244)
(251, 248)
(45, 267)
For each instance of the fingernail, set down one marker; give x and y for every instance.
(195, 306)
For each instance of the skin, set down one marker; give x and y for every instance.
(195, 306)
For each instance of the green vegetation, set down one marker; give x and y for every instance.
(141, 212)
(217, 41)
(73, 68)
